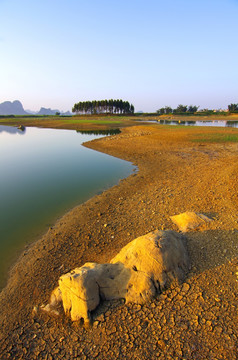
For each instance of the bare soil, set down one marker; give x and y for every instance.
(194, 320)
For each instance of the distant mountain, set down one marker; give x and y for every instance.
(31, 112)
(12, 108)
(67, 113)
(44, 111)
(16, 108)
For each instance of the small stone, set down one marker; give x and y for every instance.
(161, 344)
(182, 303)
(35, 310)
(185, 287)
(218, 329)
(100, 318)
(209, 325)
(189, 220)
(184, 326)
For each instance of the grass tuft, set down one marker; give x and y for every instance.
(216, 138)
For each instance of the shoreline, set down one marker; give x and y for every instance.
(39, 231)
(137, 205)
(99, 122)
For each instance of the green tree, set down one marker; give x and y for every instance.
(233, 107)
(181, 108)
(192, 109)
(103, 106)
(161, 111)
(168, 110)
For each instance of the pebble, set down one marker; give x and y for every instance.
(185, 287)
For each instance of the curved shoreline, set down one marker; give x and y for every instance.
(39, 227)
(166, 184)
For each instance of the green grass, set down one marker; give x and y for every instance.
(67, 120)
(216, 138)
(19, 118)
(9, 120)
(88, 121)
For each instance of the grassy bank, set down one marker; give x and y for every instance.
(95, 122)
(206, 134)
(217, 138)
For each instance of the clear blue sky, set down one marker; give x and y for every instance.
(152, 53)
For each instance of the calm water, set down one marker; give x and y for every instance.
(44, 173)
(219, 123)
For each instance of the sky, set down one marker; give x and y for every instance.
(152, 53)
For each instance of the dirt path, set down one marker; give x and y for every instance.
(194, 320)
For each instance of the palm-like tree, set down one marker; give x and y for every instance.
(103, 106)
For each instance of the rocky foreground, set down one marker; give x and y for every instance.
(196, 319)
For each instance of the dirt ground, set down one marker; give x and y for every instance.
(194, 320)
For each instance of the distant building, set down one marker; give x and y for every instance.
(220, 110)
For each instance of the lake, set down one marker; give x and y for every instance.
(43, 174)
(214, 123)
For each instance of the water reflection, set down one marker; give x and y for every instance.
(21, 130)
(232, 124)
(42, 175)
(215, 123)
(147, 121)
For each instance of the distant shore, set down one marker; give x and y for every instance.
(104, 122)
(181, 169)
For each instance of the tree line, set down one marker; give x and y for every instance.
(103, 107)
(180, 109)
(184, 109)
(233, 108)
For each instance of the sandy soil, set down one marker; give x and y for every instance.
(193, 320)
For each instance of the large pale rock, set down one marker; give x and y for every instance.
(141, 269)
(189, 220)
(154, 260)
(82, 288)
